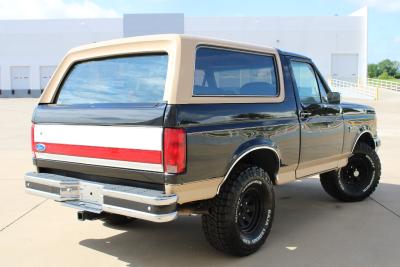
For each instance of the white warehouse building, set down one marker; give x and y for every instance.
(31, 49)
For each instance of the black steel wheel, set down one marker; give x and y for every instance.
(357, 174)
(250, 208)
(240, 216)
(358, 179)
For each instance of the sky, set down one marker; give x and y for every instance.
(383, 16)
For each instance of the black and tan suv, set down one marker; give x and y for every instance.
(156, 126)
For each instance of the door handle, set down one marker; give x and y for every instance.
(305, 114)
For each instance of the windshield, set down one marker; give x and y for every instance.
(129, 79)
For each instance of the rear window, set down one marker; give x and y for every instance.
(130, 79)
(221, 72)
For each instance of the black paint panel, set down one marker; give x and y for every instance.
(218, 133)
(101, 114)
(210, 153)
(357, 119)
(356, 109)
(104, 174)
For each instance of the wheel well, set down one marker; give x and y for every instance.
(366, 138)
(264, 158)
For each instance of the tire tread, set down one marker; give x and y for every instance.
(216, 224)
(329, 180)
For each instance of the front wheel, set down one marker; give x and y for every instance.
(358, 179)
(240, 216)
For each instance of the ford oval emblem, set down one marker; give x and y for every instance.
(40, 147)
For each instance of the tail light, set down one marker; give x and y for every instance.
(33, 140)
(174, 150)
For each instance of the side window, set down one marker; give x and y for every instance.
(199, 78)
(323, 90)
(220, 72)
(306, 82)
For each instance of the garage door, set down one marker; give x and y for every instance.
(345, 67)
(20, 78)
(45, 74)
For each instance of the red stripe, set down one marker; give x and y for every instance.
(124, 154)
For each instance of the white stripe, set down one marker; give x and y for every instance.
(147, 138)
(103, 162)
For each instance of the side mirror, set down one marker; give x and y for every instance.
(334, 98)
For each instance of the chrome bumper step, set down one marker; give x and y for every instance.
(146, 204)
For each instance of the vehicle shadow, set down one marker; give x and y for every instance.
(304, 213)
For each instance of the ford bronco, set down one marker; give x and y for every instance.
(156, 126)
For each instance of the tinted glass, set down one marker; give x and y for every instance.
(306, 82)
(323, 91)
(134, 79)
(232, 73)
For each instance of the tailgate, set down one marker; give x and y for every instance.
(123, 147)
(127, 147)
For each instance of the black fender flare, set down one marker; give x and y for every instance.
(245, 149)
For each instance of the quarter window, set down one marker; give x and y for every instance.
(221, 72)
(306, 82)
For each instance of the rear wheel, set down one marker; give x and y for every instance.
(240, 216)
(358, 179)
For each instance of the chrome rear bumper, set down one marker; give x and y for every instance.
(146, 204)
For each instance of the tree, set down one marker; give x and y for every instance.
(391, 67)
(384, 76)
(373, 70)
(385, 69)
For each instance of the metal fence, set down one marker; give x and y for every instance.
(354, 90)
(384, 84)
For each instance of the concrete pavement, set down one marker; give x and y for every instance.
(310, 228)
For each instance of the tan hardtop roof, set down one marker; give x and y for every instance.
(181, 53)
(177, 38)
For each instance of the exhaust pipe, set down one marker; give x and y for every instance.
(87, 215)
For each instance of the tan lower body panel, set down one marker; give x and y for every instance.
(319, 166)
(194, 191)
(208, 188)
(286, 174)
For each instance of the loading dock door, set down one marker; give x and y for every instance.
(345, 67)
(20, 78)
(45, 74)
